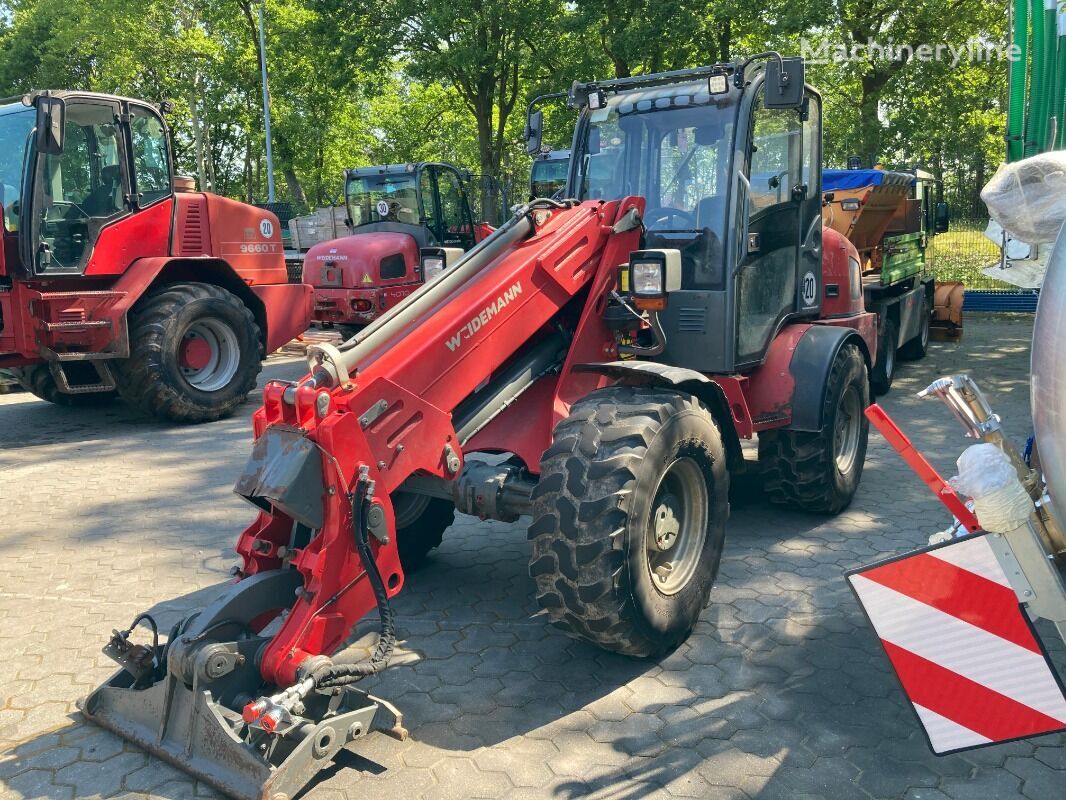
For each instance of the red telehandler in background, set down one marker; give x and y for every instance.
(618, 345)
(395, 213)
(116, 277)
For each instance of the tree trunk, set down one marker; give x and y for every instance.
(295, 189)
(198, 136)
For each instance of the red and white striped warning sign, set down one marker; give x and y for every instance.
(962, 646)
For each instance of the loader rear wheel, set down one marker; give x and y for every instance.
(420, 524)
(195, 354)
(38, 380)
(629, 519)
(885, 368)
(820, 471)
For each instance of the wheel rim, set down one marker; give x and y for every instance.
(848, 426)
(677, 527)
(925, 326)
(209, 355)
(890, 358)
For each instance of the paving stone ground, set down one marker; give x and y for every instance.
(782, 692)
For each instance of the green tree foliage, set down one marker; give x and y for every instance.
(354, 84)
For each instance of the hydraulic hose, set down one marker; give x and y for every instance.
(1016, 109)
(332, 675)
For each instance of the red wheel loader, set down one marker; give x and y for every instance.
(618, 345)
(393, 213)
(116, 278)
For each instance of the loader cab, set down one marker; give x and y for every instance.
(731, 180)
(82, 162)
(426, 200)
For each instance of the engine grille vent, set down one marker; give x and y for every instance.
(192, 235)
(692, 320)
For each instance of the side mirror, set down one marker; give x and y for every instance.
(51, 123)
(942, 218)
(534, 131)
(784, 83)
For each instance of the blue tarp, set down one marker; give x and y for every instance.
(857, 178)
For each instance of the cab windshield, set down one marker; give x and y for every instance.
(16, 124)
(673, 146)
(383, 198)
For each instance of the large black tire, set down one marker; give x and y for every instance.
(625, 468)
(420, 524)
(916, 348)
(38, 380)
(154, 379)
(820, 471)
(885, 368)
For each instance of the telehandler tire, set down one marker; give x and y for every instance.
(420, 524)
(195, 353)
(629, 519)
(820, 472)
(38, 380)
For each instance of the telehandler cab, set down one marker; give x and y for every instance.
(618, 346)
(115, 276)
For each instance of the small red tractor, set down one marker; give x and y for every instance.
(619, 345)
(395, 213)
(117, 278)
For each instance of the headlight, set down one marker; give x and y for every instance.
(432, 267)
(647, 278)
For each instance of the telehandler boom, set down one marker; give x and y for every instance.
(618, 345)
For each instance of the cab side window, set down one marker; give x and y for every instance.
(429, 204)
(150, 162)
(455, 217)
(773, 171)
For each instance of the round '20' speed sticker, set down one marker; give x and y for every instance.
(809, 289)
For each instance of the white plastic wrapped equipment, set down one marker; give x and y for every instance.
(987, 475)
(1028, 197)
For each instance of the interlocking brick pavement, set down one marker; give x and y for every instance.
(782, 692)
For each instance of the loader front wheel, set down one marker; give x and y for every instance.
(820, 471)
(195, 354)
(420, 524)
(629, 519)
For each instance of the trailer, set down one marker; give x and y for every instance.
(891, 218)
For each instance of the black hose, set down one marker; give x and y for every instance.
(332, 675)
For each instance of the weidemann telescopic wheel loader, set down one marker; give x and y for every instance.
(617, 345)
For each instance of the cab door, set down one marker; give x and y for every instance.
(81, 190)
(773, 190)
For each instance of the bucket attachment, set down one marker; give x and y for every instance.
(188, 711)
